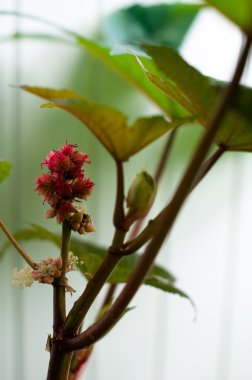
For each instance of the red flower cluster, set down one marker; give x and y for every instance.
(65, 182)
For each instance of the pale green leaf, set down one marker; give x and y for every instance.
(179, 80)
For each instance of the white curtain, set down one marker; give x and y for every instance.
(209, 249)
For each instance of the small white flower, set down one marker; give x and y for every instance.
(72, 262)
(22, 278)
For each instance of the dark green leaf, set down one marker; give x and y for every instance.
(109, 125)
(161, 23)
(236, 129)
(5, 168)
(240, 12)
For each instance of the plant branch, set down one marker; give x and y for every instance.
(59, 284)
(59, 360)
(207, 166)
(119, 210)
(82, 305)
(18, 247)
(165, 155)
(78, 359)
(100, 328)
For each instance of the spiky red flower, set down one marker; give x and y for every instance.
(65, 182)
(82, 188)
(66, 162)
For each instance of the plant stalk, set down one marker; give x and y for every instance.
(60, 360)
(83, 304)
(18, 247)
(100, 328)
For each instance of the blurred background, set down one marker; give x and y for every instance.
(209, 250)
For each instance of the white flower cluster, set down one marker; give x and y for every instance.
(45, 272)
(22, 278)
(72, 262)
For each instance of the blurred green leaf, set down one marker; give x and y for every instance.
(109, 125)
(179, 80)
(240, 12)
(236, 130)
(198, 94)
(164, 284)
(159, 23)
(5, 168)
(124, 64)
(235, 133)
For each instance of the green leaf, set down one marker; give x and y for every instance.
(240, 12)
(198, 94)
(179, 80)
(5, 168)
(161, 23)
(235, 133)
(107, 124)
(125, 64)
(164, 284)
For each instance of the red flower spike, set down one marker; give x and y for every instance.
(82, 188)
(65, 182)
(63, 211)
(68, 149)
(45, 184)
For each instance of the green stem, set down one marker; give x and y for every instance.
(100, 328)
(17, 245)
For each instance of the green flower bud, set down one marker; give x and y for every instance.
(140, 197)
